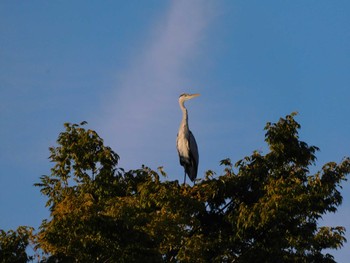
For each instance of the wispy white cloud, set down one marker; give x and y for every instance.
(141, 116)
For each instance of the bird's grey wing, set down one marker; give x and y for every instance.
(194, 156)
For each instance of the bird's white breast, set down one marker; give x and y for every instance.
(182, 145)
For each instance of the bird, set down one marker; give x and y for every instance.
(186, 143)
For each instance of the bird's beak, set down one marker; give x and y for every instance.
(194, 95)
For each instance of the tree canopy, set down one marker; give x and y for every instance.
(263, 208)
(13, 245)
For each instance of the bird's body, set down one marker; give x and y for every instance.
(186, 144)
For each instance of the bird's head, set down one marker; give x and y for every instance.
(186, 96)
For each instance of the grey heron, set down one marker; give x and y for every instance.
(185, 143)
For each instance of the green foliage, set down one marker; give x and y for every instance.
(263, 208)
(13, 245)
(80, 158)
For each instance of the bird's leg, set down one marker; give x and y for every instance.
(185, 178)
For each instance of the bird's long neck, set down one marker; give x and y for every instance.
(184, 121)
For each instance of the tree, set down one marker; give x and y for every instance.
(262, 208)
(13, 245)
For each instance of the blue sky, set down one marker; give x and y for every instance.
(121, 65)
